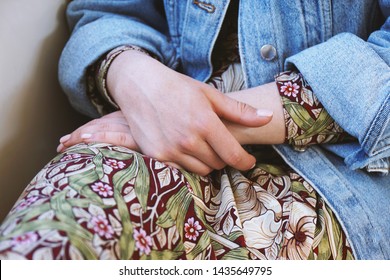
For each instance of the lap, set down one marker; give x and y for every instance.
(106, 202)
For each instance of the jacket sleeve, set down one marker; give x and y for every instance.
(100, 26)
(351, 78)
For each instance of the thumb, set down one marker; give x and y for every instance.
(238, 112)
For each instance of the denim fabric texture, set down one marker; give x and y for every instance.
(342, 48)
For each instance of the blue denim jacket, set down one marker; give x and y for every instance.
(341, 47)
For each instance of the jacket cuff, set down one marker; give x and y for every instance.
(352, 81)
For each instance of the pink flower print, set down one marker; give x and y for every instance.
(190, 189)
(25, 239)
(143, 242)
(191, 229)
(289, 89)
(24, 203)
(101, 226)
(102, 189)
(115, 164)
(70, 157)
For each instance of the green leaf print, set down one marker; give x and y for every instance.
(200, 214)
(324, 252)
(319, 126)
(169, 217)
(299, 114)
(98, 162)
(162, 255)
(126, 240)
(35, 211)
(176, 211)
(297, 187)
(272, 169)
(335, 241)
(81, 184)
(201, 245)
(47, 224)
(165, 220)
(240, 253)
(64, 213)
(193, 180)
(140, 172)
(118, 155)
(80, 202)
(142, 183)
(28, 213)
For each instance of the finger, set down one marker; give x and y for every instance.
(200, 149)
(228, 149)
(117, 138)
(85, 132)
(106, 122)
(172, 164)
(115, 116)
(192, 164)
(109, 137)
(238, 112)
(60, 148)
(171, 155)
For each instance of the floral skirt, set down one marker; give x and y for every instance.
(101, 201)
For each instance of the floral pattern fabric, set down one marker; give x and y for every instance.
(307, 121)
(101, 201)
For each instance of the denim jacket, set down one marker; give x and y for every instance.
(342, 48)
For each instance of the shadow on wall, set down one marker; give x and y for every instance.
(42, 116)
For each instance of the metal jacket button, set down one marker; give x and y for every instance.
(268, 52)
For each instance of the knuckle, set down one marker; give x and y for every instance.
(205, 171)
(234, 158)
(104, 126)
(202, 125)
(188, 143)
(122, 139)
(102, 137)
(162, 154)
(243, 108)
(220, 165)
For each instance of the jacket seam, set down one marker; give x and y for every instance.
(372, 133)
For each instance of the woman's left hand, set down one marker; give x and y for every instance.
(111, 129)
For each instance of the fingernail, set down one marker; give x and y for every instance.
(86, 135)
(264, 113)
(59, 148)
(253, 166)
(64, 138)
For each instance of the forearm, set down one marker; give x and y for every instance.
(299, 118)
(261, 97)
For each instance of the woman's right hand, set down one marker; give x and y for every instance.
(111, 129)
(174, 118)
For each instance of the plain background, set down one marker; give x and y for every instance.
(34, 111)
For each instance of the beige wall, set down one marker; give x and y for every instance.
(34, 111)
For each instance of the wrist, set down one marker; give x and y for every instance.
(261, 97)
(112, 71)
